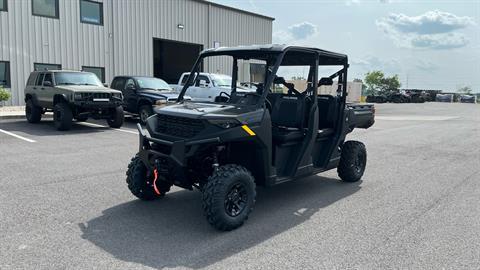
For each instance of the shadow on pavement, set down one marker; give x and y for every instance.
(173, 232)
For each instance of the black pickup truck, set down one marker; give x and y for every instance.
(142, 94)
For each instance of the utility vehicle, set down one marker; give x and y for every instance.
(71, 95)
(262, 138)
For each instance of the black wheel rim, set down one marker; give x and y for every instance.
(236, 200)
(360, 162)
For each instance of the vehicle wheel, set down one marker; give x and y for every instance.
(62, 116)
(228, 197)
(145, 112)
(116, 117)
(81, 118)
(32, 112)
(140, 182)
(352, 161)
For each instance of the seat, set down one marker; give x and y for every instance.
(284, 135)
(288, 115)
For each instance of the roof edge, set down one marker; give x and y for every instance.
(235, 9)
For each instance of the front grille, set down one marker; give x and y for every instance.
(179, 126)
(91, 96)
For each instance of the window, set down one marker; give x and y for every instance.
(99, 71)
(129, 83)
(76, 78)
(40, 79)
(202, 78)
(43, 67)
(118, 83)
(48, 78)
(32, 78)
(45, 8)
(4, 74)
(3, 5)
(91, 12)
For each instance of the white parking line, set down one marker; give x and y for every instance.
(102, 126)
(17, 136)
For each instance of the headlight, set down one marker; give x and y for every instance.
(227, 123)
(77, 96)
(117, 95)
(161, 102)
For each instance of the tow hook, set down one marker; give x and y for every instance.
(155, 178)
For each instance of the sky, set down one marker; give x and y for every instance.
(430, 44)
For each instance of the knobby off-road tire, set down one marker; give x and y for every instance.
(352, 161)
(140, 183)
(62, 116)
(32, 112)
(144, 112)
(228, 197)
(116, 117)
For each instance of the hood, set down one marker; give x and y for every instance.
(87, 88)
(196, 110)
(155, 94)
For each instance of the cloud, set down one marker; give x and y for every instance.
(300, 31)
(424, 65)
(431, 30)
(369, 63)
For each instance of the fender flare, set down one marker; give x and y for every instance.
(33, 97)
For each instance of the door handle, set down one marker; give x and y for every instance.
(42, 88)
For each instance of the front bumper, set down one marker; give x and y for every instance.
(95, 105)
(179, 150)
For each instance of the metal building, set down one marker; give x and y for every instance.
(116, 37)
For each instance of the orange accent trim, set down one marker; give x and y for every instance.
(155, 174)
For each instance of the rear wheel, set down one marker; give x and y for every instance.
(32, 112)
(228, 197)
(145, 112)
(62, 116)
(116, 117)
(352, 161)
(140, 182)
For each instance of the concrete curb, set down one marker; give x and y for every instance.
(21, 116)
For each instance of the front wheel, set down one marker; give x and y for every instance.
(62, 116)
(116, 117)
(353, 161)
(145, 112)
(140, 181)
(228, 197)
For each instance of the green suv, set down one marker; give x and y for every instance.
(71, 95)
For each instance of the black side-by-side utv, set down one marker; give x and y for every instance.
(251, 137)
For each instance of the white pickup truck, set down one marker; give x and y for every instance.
(208, 86)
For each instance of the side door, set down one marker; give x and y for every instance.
(130, 95)
(36, 89)
(47, 89)
(203, 90)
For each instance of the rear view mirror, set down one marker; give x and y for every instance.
(325, 81)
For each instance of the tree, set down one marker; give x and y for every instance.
(465, 90)
(377, 83)
(4, 94)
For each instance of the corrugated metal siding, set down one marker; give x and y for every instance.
(124, 44)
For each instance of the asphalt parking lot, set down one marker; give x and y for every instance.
(64, 203)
